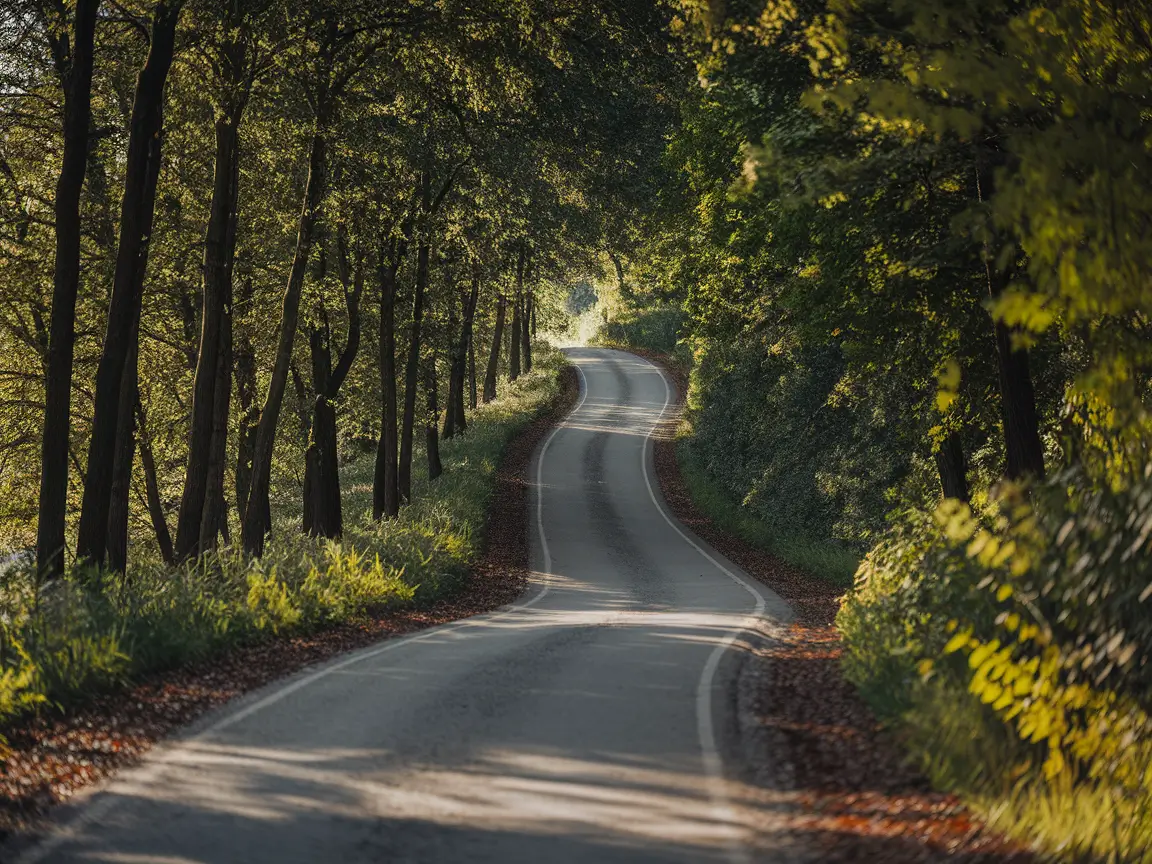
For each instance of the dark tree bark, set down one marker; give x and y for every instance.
(527, 333)
(219, 248)
(152, 487)
(532, 310)
(953, 467)
(466, 354)
(122, 460)
(72, 50)
(494, 354)
(411, 373)
(323, 509)
(455, 421)
(257, 512)
(245, 373)
(140, 173)
(514, 342)
(472, 371)
(435, 466)
(1024, 451)
(214, 518)
(385, 483)
(453, 360)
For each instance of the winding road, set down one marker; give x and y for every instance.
(596, 720)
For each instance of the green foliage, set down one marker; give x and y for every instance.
(830, 561)
(657, 329)
(61, 644)
(1034, 616)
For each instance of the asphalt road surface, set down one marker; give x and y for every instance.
(593, 721)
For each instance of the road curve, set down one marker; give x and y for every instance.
(593, 721)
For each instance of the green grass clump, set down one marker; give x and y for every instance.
(66, 641)
(834, 563)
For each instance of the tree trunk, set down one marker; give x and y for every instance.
(324, 516)
(953, 467)
(1025, 451)
(257, 512)
(412, 372)
(214, 518)
(74, 63)
(465, 352)
(152, 487)
(385, 485)
(494, 354)
(532, 307)
(514, 342)
(140, 175)
(191, 523)
(435, 467)
(527, 333)
(245, 373)
(122, 460)
(455, 359)
(472, 371)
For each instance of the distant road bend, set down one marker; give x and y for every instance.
(595, 721)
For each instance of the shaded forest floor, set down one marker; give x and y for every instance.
(857, 797)
(53, 756)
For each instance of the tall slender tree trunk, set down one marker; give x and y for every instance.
(514, 342)
(245, 373)
(435, 466)
(385, 485)
(214, 518)
(454, 359)
(152, 487)
(218, 261)
(527, 332)
(412, 372)
(74, 62)
(532, 308)
(141, 171)
(466, 355)
(455, 420)
(118, 509)
(472, 371)
(494, 354)
(257, 511)
(322, 494)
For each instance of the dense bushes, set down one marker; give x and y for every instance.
(61, 642)
(1013, 646)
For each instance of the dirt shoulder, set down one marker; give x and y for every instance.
(854, 798)
(51, 757)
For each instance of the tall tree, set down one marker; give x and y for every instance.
(72, 47)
